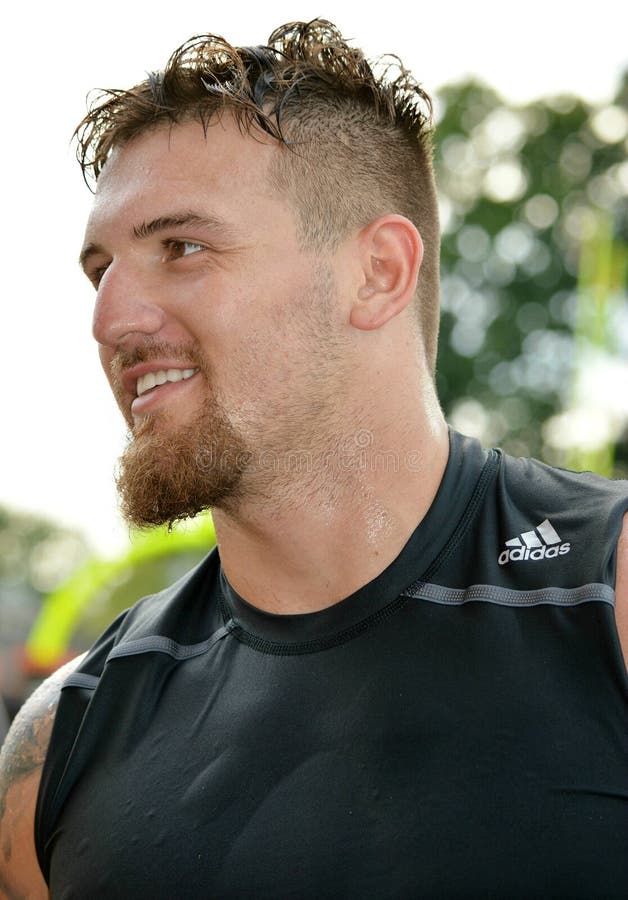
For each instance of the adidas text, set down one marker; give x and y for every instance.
(542, 542)
(522, 553)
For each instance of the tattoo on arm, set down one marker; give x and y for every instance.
(25, 746)
(22, 755)
(24, 749)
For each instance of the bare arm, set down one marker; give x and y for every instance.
(21, 760)
(621, 589)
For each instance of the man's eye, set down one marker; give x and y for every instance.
(178, 249)
(96, 275)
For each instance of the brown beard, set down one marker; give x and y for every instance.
(172, 471)
(168, 473)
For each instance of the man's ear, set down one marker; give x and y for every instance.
(391, 251)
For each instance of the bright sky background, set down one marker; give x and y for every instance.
(61, 431)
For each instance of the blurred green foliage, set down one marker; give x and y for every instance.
(525, 190)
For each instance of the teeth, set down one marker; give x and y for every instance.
(152, 379)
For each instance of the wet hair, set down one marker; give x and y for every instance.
(356, 136)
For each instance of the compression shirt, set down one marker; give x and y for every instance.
(457, 728)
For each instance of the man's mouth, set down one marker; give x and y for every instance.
(153, 379)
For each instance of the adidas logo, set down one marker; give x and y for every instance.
(541, 543)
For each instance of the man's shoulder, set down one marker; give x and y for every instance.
(21, 761)
(530, 473)
(156, 614)
(535, 521)
(162, 613)
(24, 748)
(581, 499)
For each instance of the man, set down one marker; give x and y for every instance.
(400, 675)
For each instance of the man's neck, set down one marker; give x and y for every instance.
(325, 534)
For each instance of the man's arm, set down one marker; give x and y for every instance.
(21, 760)
(621, 589)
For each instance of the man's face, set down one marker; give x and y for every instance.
(219, 335)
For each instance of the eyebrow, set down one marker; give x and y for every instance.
(179, 220)
(164, 223)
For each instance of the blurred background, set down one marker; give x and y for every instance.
(532, 140)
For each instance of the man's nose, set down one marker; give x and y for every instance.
(125, 307)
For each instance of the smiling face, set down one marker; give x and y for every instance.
(219, 334)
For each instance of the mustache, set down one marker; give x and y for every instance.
(125, 358)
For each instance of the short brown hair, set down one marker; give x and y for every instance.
(358, 144)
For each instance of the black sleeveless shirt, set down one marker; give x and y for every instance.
(457, 728)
